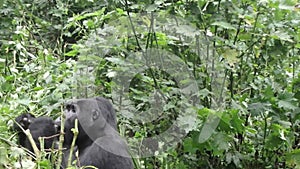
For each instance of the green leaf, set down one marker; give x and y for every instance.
(3, 156)
(286, 7)
(72, 53)
(44, 164)
(24, 102)
(208, 128)
(224, 25)
(282, 36)
(221, 141)
(231, 56)
(293, 158)
(189, 146)
(187, 30)
(259, 108)
(38, 88)
(237, 123)
(286, 105)
(6, 87)
(84, 16)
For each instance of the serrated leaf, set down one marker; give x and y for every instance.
(286, 105)
(189, 122)
(259, 108)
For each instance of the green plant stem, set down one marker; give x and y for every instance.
(34, 147)
(61, 137)
(75, 132)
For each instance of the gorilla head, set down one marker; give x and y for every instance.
(24, 120)
(39, 127)
(96, 118)
(98, 141)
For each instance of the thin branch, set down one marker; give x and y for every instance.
(131, 23)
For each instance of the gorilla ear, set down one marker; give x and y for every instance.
(107, 111)
(95, 115)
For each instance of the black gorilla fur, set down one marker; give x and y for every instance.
(98, 142)
(39, 127)
(24, 120)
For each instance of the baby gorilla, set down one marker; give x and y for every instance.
(39, 127)
(24, 120)
(98, 142)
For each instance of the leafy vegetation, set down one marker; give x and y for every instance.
(226, 73)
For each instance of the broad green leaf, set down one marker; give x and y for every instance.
(209, 128)
(6, 87)
(237, 123)
(231, 56)
(189, 145)
(259, 108)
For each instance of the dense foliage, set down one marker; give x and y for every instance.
(226, 72)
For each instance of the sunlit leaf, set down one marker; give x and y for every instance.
(231, 56)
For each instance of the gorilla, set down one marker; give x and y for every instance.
(39, 127)
(24, 120)
(98, 141)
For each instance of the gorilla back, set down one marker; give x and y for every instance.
(98, 142)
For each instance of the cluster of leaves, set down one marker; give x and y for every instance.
(236, 99)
